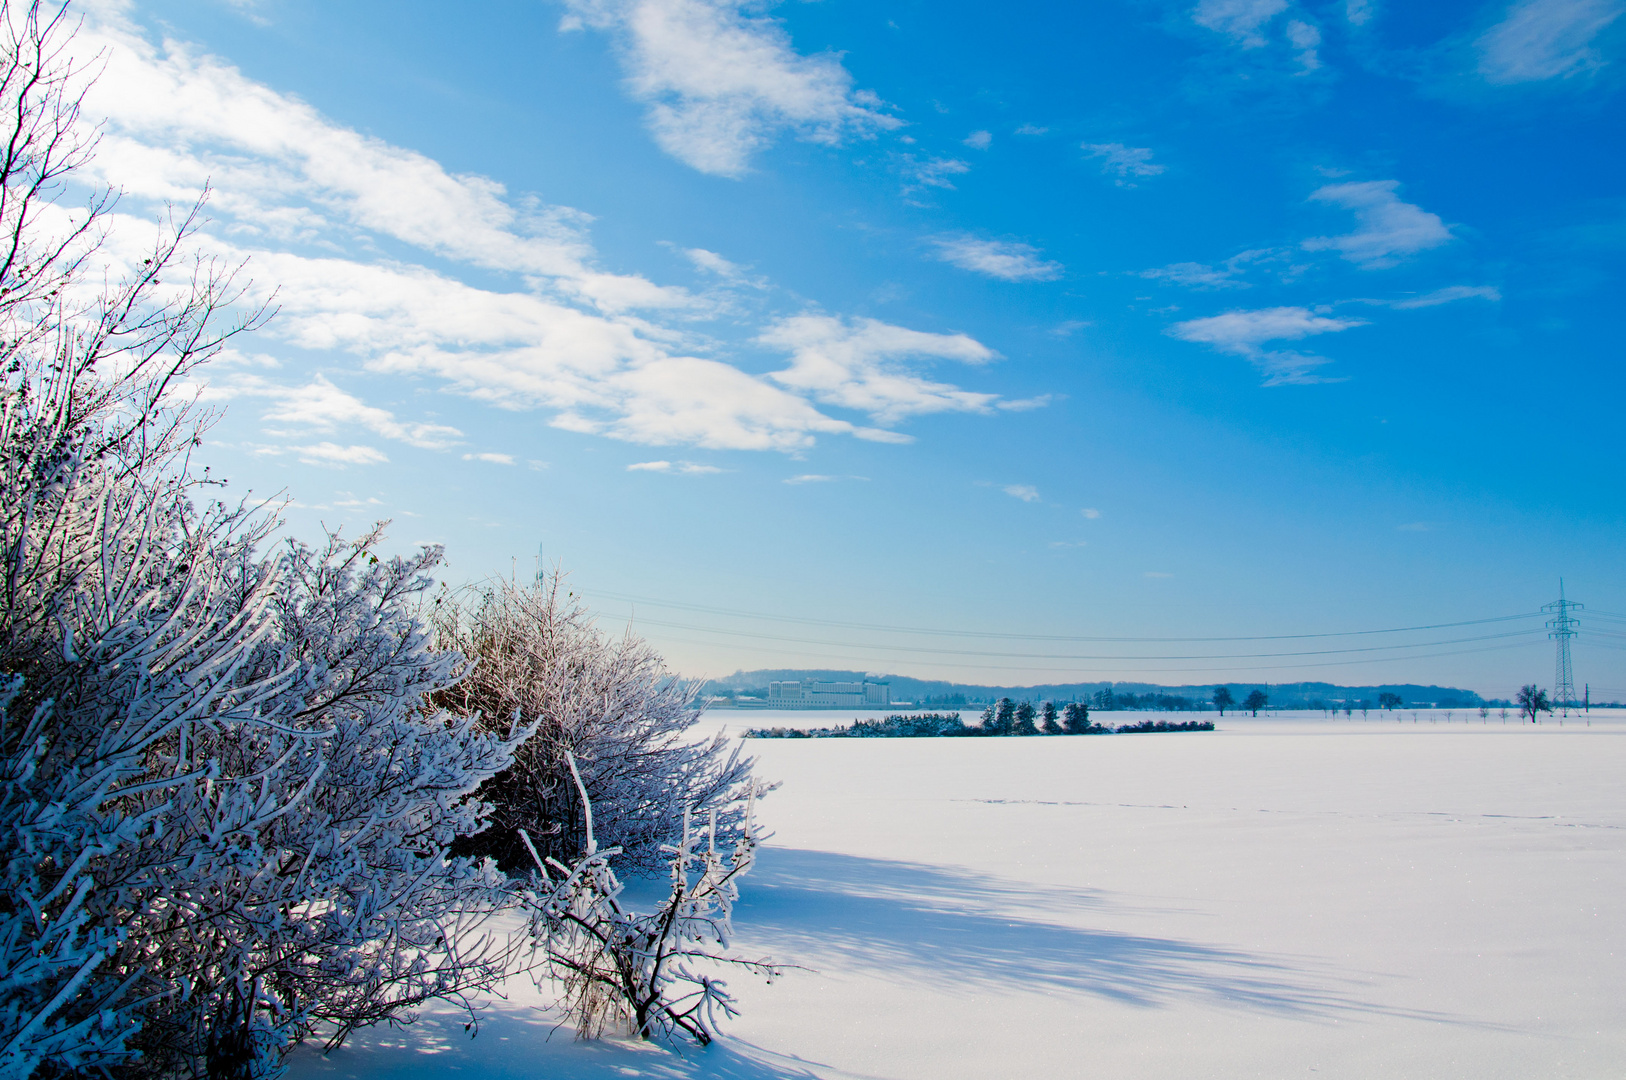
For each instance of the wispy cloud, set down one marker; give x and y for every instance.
(686, 468)
(979, 140)
(1245, 333)
(1032, 129)
(1228, 274)
(1003, 259)
(328, 453)
(731, 272)
(1386, 228)
(809, 478)
(1305, 38)
(1240, 20)
(320, 406)
(351, 502)
(933, 172)
(862, 364)
(719, 85)
(490, 458)
(1090, 512)
(1025, 492)
(1124, 162)
(1448, 295)
(1546, 39)
(1197, 275)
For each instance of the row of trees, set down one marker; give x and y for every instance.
(250, 793)
(1257, 699)
(1007, 717)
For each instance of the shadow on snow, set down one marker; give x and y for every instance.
(960, 930)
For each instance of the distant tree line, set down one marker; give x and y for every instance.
(1003, 718)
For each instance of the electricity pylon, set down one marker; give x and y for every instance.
(1561, 627)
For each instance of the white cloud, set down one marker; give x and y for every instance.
(1025, 492)
(860, 365)
(1244, 333)
(1358, 12)
(720, 85)
(1240, 20)
(282, 172)
(351, 502)
(1069, 543)
(1090, 512)
(979, 140)
(1032, 129)
(321, 406)
(731, 272)
(809, 478)
(688, 468)
(1025, 404)
(491, 458)
(327, 453)
(1546, 39)
(1305, 38)
(996, 258)
(1227, 275)
(1196, 275)
(1386, 228)
(1124, 162)
(308, 202)
(934, 172)
(1449, 294)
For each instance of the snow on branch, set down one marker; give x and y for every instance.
(646, 973)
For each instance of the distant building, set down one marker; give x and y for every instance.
(829, 695)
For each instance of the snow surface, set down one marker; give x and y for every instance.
(1285, 896)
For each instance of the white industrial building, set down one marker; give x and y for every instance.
(829, 695)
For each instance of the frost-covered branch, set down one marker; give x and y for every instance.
(645, 972)
(609, 703)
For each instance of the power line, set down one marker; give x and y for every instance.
(1119, 673)
(701, 608)
(758, 636)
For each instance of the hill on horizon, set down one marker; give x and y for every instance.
(942, 693)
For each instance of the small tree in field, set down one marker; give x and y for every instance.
(1257, 699)
(1047, 719)
(1000, 718)
(1076, 718)
(1532, 701)
(1023, 723)
(1223, 699)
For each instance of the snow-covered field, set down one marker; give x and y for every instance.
(1286, 896)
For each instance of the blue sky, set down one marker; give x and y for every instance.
(1235, 318)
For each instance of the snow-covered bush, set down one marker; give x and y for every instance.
(225, 804)
(620, 968)
(609, 702)
(345, 908)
